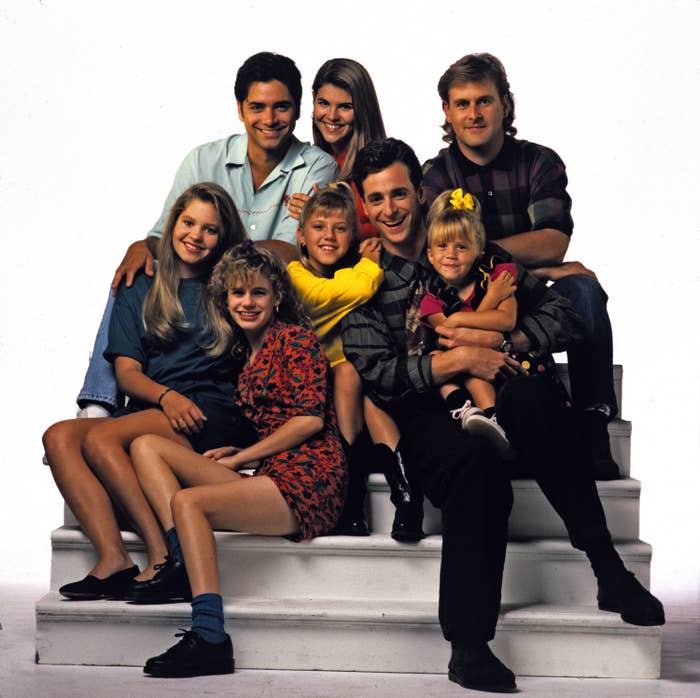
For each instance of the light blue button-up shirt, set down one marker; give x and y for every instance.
(264, 212)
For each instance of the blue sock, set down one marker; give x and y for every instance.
(174, 544)
(208, 617)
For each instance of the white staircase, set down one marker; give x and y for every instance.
(370, 604)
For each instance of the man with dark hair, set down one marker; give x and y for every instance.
(260, 169)
(525, 208)
(462, 475)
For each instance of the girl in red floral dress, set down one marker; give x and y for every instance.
(298, 486)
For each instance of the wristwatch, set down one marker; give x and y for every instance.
(506, 344)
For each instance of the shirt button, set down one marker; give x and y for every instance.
(252, 227)
(490, 193)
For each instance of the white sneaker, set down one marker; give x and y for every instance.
(490, 429)
(92, 410)
(463, 413)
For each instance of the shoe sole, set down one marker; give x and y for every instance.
(484, 427)
(642, 622)
(228, 667)
(407, 537)
(157, 600)
(492, 689)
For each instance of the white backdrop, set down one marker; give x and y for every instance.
(101, 100)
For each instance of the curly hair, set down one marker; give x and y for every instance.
(449, 224)
(239, 267)
(477, 67)
(162, 314)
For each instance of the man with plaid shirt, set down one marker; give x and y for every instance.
(461, 474)
(526, 210)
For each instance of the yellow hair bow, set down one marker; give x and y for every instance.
(461, 201)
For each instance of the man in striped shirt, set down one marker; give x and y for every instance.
(462, 475)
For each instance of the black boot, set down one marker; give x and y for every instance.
(407, 498)
(352, 520)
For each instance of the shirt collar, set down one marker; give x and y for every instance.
(502, 161)
(405, 269)
(237, 154)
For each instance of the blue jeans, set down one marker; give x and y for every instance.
(590, 362)
(100, 384)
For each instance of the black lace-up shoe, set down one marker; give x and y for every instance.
(170, 584)
(193, 656)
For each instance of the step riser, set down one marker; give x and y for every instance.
(366, 647)
(532, 515)
(530, 575)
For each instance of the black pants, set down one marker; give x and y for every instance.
(464, 478)
(547, 438)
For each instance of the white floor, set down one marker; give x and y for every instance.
(20, 676)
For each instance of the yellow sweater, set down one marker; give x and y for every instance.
(328, 301)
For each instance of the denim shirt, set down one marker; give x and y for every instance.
(264, 212)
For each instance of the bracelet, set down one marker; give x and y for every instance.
(162, 395)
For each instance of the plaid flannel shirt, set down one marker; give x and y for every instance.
(522, 189)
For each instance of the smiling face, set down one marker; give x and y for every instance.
(269, 115)
(453, 260)
(334, 115)
(393, 206)
(251, 305)
(328, 237)
(195, 237)
(475, 111)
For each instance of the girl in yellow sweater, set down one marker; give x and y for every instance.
(333, 277)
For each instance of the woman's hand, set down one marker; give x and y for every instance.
(182, 413)
(231, 457)
(501, 288)
(371, 248)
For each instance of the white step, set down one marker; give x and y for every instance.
(313, 634)
(532, 515)
(373, 568)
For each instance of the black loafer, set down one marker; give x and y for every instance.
(170, 584)
(481, 670)
(193, 656)
(626, 595)
(91, 588)
(351, 527)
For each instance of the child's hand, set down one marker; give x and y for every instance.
(182, 413)
(501, 288)
(296, 203)
(371, 248)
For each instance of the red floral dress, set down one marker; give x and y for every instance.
(289, 378)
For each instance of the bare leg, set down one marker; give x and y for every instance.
(85, 494)
(347, 392)
(447, 388)
(483, 393)
(106, 449)
(164, 467)
(382, 428)
(251, 505)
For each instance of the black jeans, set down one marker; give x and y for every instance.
(465, 479)
(548, 441)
